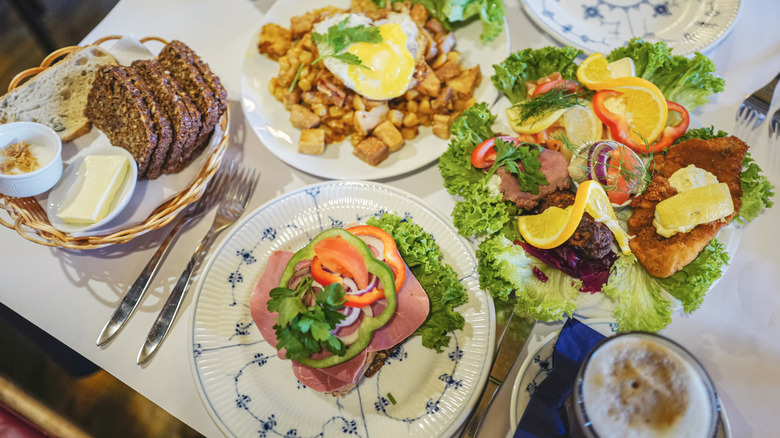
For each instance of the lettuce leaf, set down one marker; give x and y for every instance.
(756, 191)
(687, 81)
(531, 64)
(467, 131)
(454, 13)
(691, 283)
(640, 304)
(424, 258)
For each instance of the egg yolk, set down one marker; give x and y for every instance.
(389, 65)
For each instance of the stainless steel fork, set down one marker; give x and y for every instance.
(211, 195)
(774, 125)
(754, 108)
(241, 186)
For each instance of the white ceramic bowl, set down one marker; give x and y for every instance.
(48, 149)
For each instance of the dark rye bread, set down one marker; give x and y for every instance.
(182, 114)
(161, 124)
(182, 67)
(211, 79)
(118, 108)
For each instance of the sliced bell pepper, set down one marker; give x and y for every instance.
(391, 254)
(339, 257)
(620, 129)
(369, 323)
(484, 155)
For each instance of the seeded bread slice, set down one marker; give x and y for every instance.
(161, 123)
(211, 79)
(182, 68)
(118, 108)
(57, 96)
(184, 127)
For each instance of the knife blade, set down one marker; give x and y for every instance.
(508, 349)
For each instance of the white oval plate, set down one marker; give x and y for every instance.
(604, 25)
(72, 179)
(249, 391)
(538, 365)
(271, 122)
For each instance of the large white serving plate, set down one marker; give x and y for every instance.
(271, 121)
(250, 391)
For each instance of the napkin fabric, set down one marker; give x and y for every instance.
(545, 415)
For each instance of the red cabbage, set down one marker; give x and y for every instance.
(593, 273)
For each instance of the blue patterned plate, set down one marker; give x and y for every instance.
(538, 365)
(249, 391)
(687, 26)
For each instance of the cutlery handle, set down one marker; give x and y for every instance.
(133, 296)
(478, 414)
(170, 309)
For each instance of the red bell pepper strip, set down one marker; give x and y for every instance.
(340, 257)
(391, 256)
(322, 276)
(484, 155)
(621, 131)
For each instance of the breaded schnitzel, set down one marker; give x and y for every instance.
(663, 256)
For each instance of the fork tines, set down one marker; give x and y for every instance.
(755, 107)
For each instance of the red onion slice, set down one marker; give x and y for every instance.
(376, 245)
(374, 281)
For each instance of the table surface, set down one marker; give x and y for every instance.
(71, 294)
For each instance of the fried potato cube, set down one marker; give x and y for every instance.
(390, 135)
(448, 70)
(274, 41)
(312, 141)
(419, 14)
(430, 83)
(302, 118)
(372, 150)
(464, 84)
(441, 126)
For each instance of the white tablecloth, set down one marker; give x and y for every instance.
(70, 294)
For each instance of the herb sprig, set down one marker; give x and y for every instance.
(305, 330)
(553, 100)
(339, 37)
(507, 155)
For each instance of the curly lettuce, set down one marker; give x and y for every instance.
(690, 284)
(530, 64)
(687, 81)
(424, 258)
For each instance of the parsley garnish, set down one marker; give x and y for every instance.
(305, 330)
(339, 37)
(553, 100)
(531, 177)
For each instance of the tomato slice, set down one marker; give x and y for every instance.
(620, 174)
(484, 155)
(340, 257)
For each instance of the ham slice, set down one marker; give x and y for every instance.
(411, 311)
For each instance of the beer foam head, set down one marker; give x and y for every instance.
(639, 385)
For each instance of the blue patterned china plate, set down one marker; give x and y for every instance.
(687, 26)
(250, 391)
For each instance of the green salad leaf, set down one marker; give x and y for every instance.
(531, 64)
(757, 191)
(687, 81)
(691, 283)
(424, 258)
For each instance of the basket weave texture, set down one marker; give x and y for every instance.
(29, 219)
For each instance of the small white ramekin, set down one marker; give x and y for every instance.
(42, 179)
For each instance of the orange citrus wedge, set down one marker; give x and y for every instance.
(555, 226)
(642, 104)
(595, 70)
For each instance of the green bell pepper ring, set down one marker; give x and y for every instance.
(369, 324)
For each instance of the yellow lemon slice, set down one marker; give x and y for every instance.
(533, 124)
(642, 104)
(554, 226)
(582, 125)
(595, 70)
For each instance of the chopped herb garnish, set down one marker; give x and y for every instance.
(304, 330)
(531, 177)
(391, 398)
(339, 37)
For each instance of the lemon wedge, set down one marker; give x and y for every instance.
(533, 124)
(684, 211)
(554, 226)
(595, 70)
(582, 125)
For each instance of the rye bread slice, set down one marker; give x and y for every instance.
(211, 79)
(182, 68)
(119, 109)
(161, 124)
(176, 106)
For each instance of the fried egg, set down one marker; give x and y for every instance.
(387, 67)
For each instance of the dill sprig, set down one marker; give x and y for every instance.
(555, 99)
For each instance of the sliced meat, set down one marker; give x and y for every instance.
(554, 167)
(411, 309)
(591, 240)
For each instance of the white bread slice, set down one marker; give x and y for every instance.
(57, 96)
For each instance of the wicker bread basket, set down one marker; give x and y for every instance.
(29, 219)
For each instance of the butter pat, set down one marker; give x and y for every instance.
(102, 178)
(683, 211)
(691, 177)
